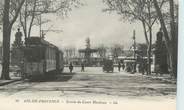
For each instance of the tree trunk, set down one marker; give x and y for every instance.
(149, 51)
(6, 54)
(7, 26)
(173, 39)
(25, 20)
(145, 33)
(175, 51)
(150, 39)
(6, 41)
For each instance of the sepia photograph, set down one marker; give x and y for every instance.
(88, 54)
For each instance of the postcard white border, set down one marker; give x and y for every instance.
(180, 84)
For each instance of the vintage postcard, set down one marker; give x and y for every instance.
(89, 54)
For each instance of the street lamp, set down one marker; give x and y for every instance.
(134, 49)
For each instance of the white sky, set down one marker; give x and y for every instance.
(90, 21)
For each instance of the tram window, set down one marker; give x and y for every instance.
(34, 54)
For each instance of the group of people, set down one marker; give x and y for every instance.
(142, 68)
(119, 66)
(71, 67)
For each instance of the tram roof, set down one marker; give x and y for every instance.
(38, 41)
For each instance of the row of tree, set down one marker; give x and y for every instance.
(150, 12)
(28, 13)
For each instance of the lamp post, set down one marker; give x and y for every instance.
(134, 49)
(134, 44)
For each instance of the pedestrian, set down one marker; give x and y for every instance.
(22, 69)
(128, 68)
(146, 68)
(123, 66)
(143, 68)
(71, 67)
(119, 66)
(82, 67)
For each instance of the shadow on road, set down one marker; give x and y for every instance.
(63, 77)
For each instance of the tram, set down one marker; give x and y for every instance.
(41, 58)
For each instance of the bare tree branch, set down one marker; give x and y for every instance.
(17, 12)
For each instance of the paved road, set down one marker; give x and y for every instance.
(92, 82)
(118, 90)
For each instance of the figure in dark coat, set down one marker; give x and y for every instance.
(71, 67)
(82, 67)
(123, 66)
(119, 66)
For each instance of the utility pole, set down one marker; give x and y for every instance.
(134, 44)
(134, 49)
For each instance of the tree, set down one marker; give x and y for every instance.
(142, 49)
(116, 50)
(70, 52)
(32, 11)
(171, 42)
(137, 10)
(10, 13)
(101, 50)
(174, 37)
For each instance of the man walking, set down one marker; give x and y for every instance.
(123, 66)
(82, 67)
(71, 67)
(119, 66)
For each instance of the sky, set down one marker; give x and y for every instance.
(89, 21)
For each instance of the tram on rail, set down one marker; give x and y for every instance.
(41, 58)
